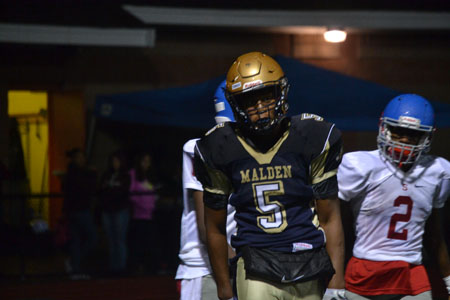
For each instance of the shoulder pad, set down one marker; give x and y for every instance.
(220, 125)
(315, 134)
(189, 146)
(307, 116)
(221, 130)
(362, 162)
(445, 164)
(219, 142)
(311, 125)
(435, 164)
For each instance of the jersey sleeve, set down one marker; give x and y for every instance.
(324, 167)
(190, 181)
(444, 186)
(216, 185)
(351, 178)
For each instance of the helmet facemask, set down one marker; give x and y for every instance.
(400, 153)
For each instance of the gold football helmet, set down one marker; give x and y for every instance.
(252, 77)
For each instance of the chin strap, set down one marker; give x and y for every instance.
(334, 294)
(447, 283)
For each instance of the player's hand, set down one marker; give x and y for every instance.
(335, 294)
(225, 293)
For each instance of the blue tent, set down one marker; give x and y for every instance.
(353, 104)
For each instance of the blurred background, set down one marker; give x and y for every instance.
(138, 77)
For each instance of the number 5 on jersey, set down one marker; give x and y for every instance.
(273, 218)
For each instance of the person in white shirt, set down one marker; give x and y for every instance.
(194, 273)
(393, 193)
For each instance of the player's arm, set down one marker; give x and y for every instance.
(434, 235)
(231, 252)
(437, 245)
(325, 188)
(200, 217)
(215, 221)
(215, 198)
(215, 237)
(329, 213)
(199, 214)
(347, 226)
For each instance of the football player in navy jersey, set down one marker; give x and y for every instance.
(279, 173)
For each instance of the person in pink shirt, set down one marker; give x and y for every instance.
(142, 228)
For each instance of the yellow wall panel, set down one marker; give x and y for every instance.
(26, 102)
(30, 110)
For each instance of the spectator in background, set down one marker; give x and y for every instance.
(142, 227)
(115, 205)
(79, 190)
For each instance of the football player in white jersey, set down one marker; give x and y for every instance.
(194, 272)
(393, 192)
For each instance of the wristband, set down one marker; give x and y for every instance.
(447, 283)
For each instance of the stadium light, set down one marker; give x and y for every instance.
(335, 35)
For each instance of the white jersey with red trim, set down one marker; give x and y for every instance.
(193, 253)
(390, 206)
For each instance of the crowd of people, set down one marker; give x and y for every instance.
(126, 201)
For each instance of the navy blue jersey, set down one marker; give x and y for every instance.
(273, 192)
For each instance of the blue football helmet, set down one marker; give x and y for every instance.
(224, 113)
(413, 116)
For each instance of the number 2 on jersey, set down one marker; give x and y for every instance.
(273, 219)
(403, 235)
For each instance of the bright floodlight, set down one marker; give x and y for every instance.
(335, 36)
